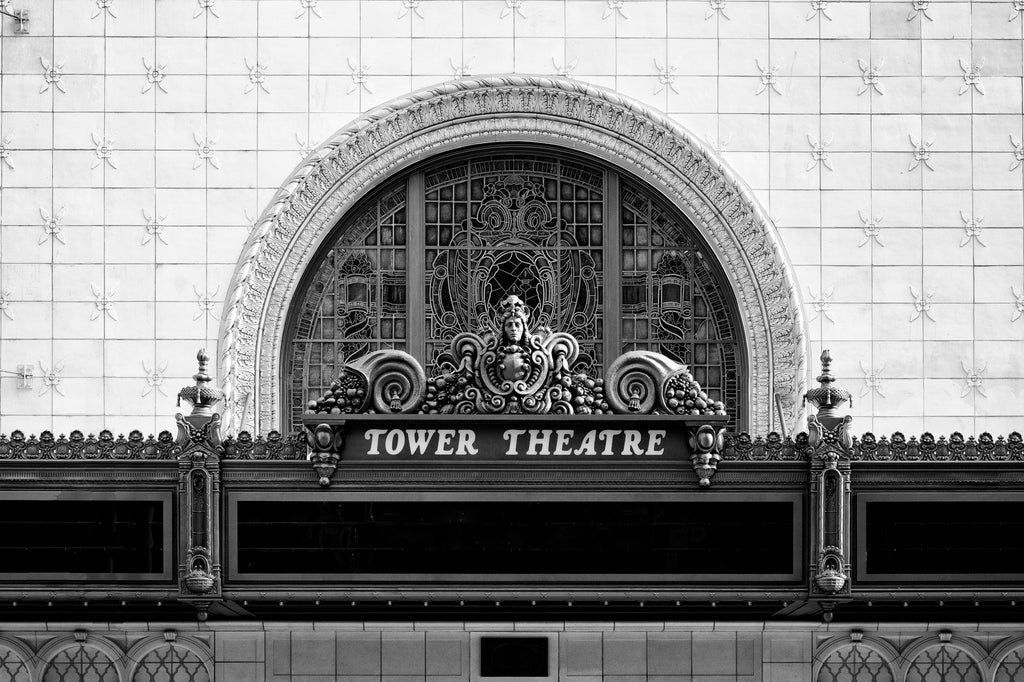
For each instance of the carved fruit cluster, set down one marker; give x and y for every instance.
(585, 394)
(346, 395)
(444, 392)
(683, 395)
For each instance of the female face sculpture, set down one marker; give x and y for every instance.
(514, 316)
(515, 329)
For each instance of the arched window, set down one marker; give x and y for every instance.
(594, 252)
(81, 662)
(12, 667)
(1011, 668)
(171, 664)
(943, 664)
(855, 663)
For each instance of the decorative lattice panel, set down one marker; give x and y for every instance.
(81, 664)
(12, 668)
(1011, 669)
(672, 301)
(943, 664)
(855, 664)
(171, 664)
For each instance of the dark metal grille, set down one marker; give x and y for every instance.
(80, 664)
(355, 303)
(855, 664)
(672, 302)
(515, 225)
(171, 664)
(943, 664)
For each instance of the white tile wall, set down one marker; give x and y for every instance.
(140, 138)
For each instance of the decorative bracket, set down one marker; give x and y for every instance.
(706, 443)
(325, 444)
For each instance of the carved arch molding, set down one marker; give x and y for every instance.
(552, 111)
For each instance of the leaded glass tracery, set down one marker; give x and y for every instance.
(81, 664)
(943, 664)
(672, 302)
(592, 253)
(520, 225)
(855, 663)
(355, 302)
(171, 664)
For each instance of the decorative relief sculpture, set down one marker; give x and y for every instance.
(514, 370)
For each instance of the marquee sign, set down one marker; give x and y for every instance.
(540, 439)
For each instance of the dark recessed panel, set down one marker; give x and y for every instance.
(563, 540)
(514, 657)
(942, 539)
(114, 537)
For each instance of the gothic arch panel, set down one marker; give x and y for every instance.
(550, 111)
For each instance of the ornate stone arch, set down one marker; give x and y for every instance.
(552, 111)
(1007, 660)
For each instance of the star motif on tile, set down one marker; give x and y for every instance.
(922, 152)
(821, 304)
(53, 225)
(1018, 7)
(972, 77)
(205, 151)
(308, 6)
(462, 70)
(871, 76)
(769, 78)
(565, 71)
(104, 304)
(52, 74)
(154, 227)
(716, 7)
(718, 144)
(360, 77)
(922, 305)
(154, 379)
(972, 229)
(872, 228)
(51, 379)
(410, 6)
(5, 304)
(205, 302)
(104, 6)
(206, 7)
(819, 152)
(1018, 304)
(306, 147)
(615, 7)
(512, 7)
(154, 76)
(5, 151)
(257, 77)
(919, 8)
(818, 7)
(666, 78)
(1018, 153)
(872, 380)
(104, 151)
(973, 380)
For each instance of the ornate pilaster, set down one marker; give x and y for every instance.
(198, 450)
(831, 444)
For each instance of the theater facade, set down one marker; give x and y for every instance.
(512, 383)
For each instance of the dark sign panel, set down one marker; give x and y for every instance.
(536, 540)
